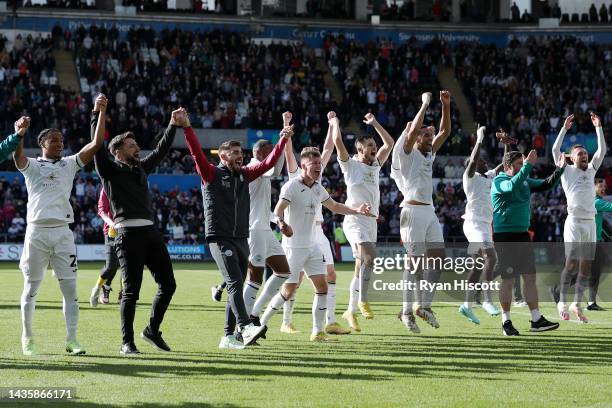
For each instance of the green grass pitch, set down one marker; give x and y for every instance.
(458, 365)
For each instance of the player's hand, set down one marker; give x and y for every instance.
(176, 118)
(285, 229)
(532, 157)
(569, 121)
(100, 103)
(595, 119)
(22, 125)
(504, 138)
(334, 121)
(480, 134)
(364, 209)
(330, 115)
(184, 116)
(287, 132)
(561, 162)
(426, 98)
(369, 119)
(445, 97)
(287, 116)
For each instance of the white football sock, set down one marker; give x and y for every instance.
(354, 295)
(319, 310)
(28, 303)
(71, 307)
(288, 310)
(250, 294)
(331, 302)
(274, 306)
(270, 289)
(535, 315)
(505, 317)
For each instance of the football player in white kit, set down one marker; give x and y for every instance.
(48, 240)
(362, 178)
(478, 223)
(296, 211)
(332, 326)
(419, 226)
(264, 248)
(579, 233)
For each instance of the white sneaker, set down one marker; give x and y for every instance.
(410, 322)
(230, 342)
(577, 310)
(562, 309)
(520, 303)
(250, 333)
(95, 293)
(490, 308)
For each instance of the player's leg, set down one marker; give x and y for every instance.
(315, 269)
(506, 254)
(33, 264)
(527, 268)
(159, 263)
(595, 277)
(367, 253)
(65, 265)
(252, 285)
(130, 247)
(490, 260)
(434, 242)
(413, 228)
(472, 278)
(287, 326)
(278, 263)
(295, 262)
(274, 257)
(112, 264)
(350, 315)
(586, 248)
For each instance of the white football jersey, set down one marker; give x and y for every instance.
(417, 171)
(319, 214)
(260, 192)
(362, 183)
(49, 184)
(579, 187)
(301, 212)
(478, 193)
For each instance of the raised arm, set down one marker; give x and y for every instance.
(398, 147)
(387, 147)
(153, 159)
(21, 127)
(328, 146)
(417, 123)
(600, 154)
(343, 154)
(471, 167)
(549, 182)
(556, 149)
(253, 171)
(203, 167)
(87, 153)
(445, 122)
(292, 165)
(507, 142)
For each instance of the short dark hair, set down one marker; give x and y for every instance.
(309, 152)
(362, 139)
(228, 144)
(118, 141)
(45, 134)
(260, 144)
(511, 157)
(576, 146)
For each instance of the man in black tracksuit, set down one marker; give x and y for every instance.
(225, 189)
(138, 241)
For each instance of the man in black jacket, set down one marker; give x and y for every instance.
(225, 190)
(138, 242)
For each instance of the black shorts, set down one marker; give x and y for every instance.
(514, 254)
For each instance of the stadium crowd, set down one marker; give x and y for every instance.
(525, 88)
